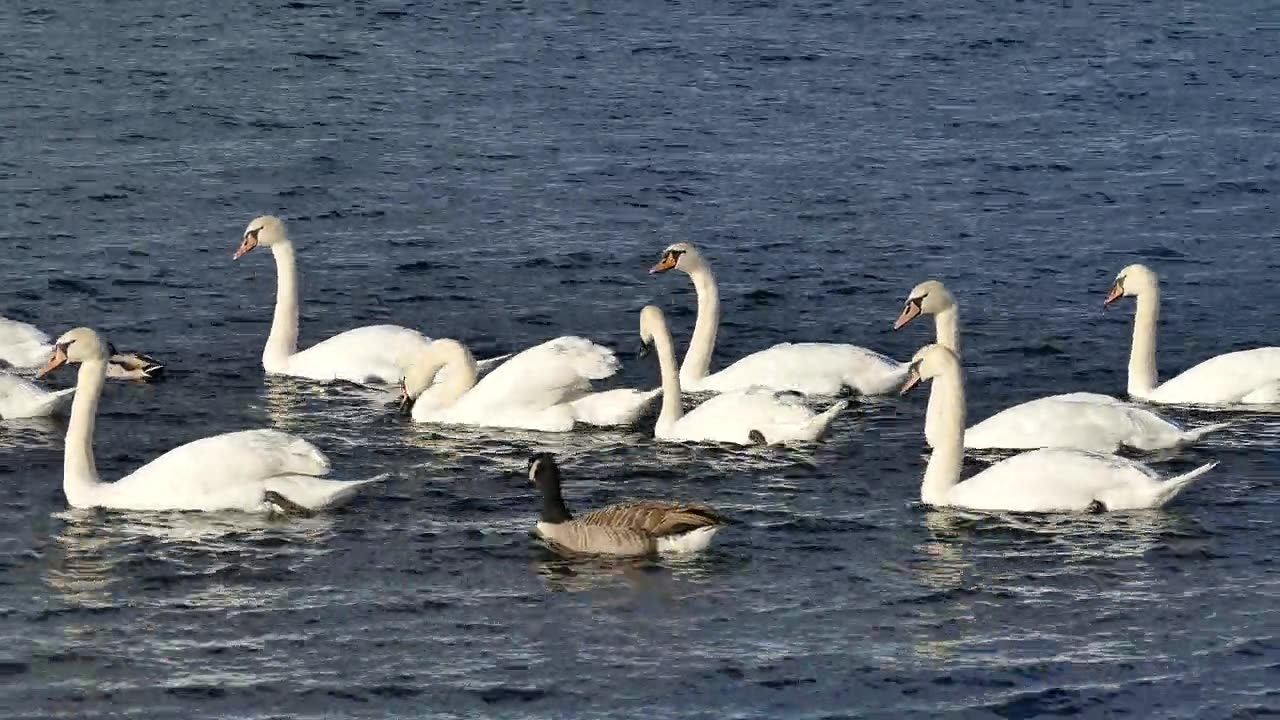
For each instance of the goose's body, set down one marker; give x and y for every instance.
(21, 398)
(252, 470)
(546, 387)
(1082, 420)
(808, 368)
(1047, 480)
(643, 527)
(1246, 377)
(371, 354)
(744, 417)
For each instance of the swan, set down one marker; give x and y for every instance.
(1046, 480)
(20, 398)
(375, 353)
(642, 527)
(251, 470)
(1085, 421)
(24, 346)
(546, 387)
(1243, 377)
(808, 368)
(755, 416)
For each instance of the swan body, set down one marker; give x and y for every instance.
(375, 353)
(546, 387)
(642, 527)
(20, 398)
(757, 415)
(1084, 421)
(808, 368)
(233, 471)
(1243, 377)
(1046, 480)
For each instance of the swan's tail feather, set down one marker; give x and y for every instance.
(1170, 488)
(484, 366)
(818, 426)
(1195, 435)
(50, 404)
(693, 541)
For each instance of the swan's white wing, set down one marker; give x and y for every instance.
(1055, 480)
(1073, 421)
(812, 369)
(613, 408)
(20, 398)
(1225, 379)
(23, 345)
(732, 416)
(548, 374)
(377, 353)
(218, 472)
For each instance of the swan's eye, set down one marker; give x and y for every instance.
(253, 233)
(918, 301)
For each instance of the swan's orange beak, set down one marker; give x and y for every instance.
(667, 262)
(913, 379)
(58, 360)
(250, 242)
(909, 313)
(1117, 292)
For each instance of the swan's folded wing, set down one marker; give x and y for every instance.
(21, 398)
(376, 353)
(814, 369)
(548, 374)
(23, 345)
(233, 458)
(1224, 379)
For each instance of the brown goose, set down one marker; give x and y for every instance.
(643, 527)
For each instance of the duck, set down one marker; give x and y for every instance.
(1244, 377)
(1048, 480)
(546, 387)
(644, 527)
(257, 471)
(25, 347)
(1081, 420)
(808, 368)
(753, 416)
(370, 354)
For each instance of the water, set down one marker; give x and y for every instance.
(504, 173)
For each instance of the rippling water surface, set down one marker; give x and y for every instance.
(506, 172)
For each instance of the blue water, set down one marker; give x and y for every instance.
(503, 173)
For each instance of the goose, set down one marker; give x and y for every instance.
(546, 387)
(1045, 480)
(1244, 377)
(21, 398)
(807, 368)
(24, 346)
(374, 353)
(1082, 420)
(644, 527)
(250, 470)
(755, 416)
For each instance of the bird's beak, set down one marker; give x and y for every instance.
(909, 313)
(1117, 292)
(667, 262)
(58, 360)
(645, 349)
(406, 402)
(250, 242)
(913, 379)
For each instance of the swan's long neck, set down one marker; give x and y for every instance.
(80, 481)
(1143, 377)
(947, 326)
(697, 360)
(947, 413)
(671, 409)
(459, 368)
(282, 343)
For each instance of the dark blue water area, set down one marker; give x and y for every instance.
(503, 173)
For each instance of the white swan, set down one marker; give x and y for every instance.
(546, 387)
(1243, 377)
(253, 470)
(24, 346)
(20, 398)
(1048, 480)
(756, 416)
(375, 353)
(1085, 421)
(809, 368)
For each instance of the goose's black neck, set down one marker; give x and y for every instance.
(546, 475)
